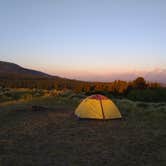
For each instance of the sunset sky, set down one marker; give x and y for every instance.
(85, 39)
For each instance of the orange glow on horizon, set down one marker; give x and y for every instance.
(98, 74)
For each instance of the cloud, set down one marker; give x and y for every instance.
(158, 75)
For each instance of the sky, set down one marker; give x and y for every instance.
(85, 39)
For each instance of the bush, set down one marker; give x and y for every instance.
(150, 95)
(27, 96)
(4, 98)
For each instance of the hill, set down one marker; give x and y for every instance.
(10, 69)
(15, 76)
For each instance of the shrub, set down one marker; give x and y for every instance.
(27, 97)
(150, 95)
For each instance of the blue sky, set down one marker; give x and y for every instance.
(84, 38)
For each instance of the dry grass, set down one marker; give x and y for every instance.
(56, 137)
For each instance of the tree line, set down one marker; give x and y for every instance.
(138, 89)
(116, 87)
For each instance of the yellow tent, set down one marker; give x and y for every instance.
(97, 107)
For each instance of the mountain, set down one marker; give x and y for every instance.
(15, 76)
(158, 75)
(11, 69)
(14, 71)
(155, 75)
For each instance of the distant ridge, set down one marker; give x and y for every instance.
(15, 76)
(8, 68)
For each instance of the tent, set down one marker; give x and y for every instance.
(97, 107)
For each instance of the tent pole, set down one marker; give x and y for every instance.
(102, 108)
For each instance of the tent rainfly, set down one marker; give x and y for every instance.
(97, 107)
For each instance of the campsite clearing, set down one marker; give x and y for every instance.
(56, 137)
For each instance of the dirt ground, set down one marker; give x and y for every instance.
(57, 137)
